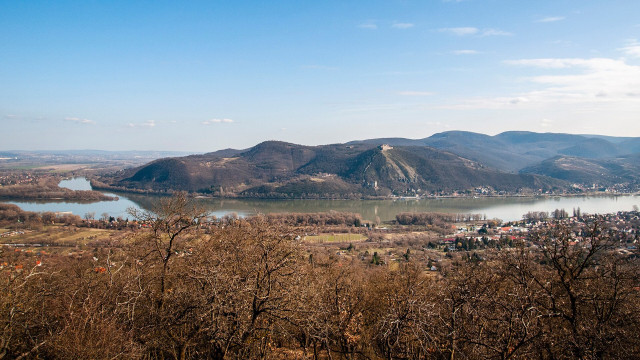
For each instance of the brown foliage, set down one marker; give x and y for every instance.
(246, 289)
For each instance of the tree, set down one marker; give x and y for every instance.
(375, 259)
(170, 220)
(585, 292)
(225, 297)
(399, 312)
(330, 310)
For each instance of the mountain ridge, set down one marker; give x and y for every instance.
(515, 162)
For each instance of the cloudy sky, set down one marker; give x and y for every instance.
(205, 75)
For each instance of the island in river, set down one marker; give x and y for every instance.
(45, 187)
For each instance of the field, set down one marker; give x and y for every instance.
(63, 236)
(42, 166)
(334, 238)
(64, 168)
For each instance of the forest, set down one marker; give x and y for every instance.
(249, 289)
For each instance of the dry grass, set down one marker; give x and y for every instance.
(64, 236)
(334, 238)
(65, 167)
(381, 251)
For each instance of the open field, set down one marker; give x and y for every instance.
(4, 165)
(42, 166)
(330, 238)
(63, 236)
(63, 168)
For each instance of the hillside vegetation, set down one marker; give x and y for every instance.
(280, 170)
(448, 163)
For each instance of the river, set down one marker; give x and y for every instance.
(505, 208)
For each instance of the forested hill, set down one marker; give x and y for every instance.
(275, 169)
(515, 150)
(455, 161)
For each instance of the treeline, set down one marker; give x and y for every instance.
(246, 291)
(434, 218)
(99, 185)
(316, 219)
(13, 215)
(557, 214)
(439, 222)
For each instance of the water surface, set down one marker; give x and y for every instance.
(505, 208)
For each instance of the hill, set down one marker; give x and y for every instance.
(593, 148)
(623, 170)
(284, 170)
(512, 151)
(444, 163)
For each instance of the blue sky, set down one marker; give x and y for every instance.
(205, 75)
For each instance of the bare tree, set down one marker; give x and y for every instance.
(169, 221)
(584, 292)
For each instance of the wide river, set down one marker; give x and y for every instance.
(505, 208)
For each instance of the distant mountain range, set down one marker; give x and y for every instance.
(455, 161)
(84, 156)
(514, 150)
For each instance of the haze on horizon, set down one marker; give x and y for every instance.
(201, 76)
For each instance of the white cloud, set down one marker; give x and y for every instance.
(495, 32)
(217, 121)
(563, 42)
(402, 25)
(416, 93)
(465, 52)
(79, 120)
(28, 118)
(147, 124)
(549, 19)
(468, 31)
(368, 25)
(598, 84)
(518, 100)
(460, 31)
(546, 63)
(546, 123)
(632, 48)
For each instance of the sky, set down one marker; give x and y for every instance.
(200, 76)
